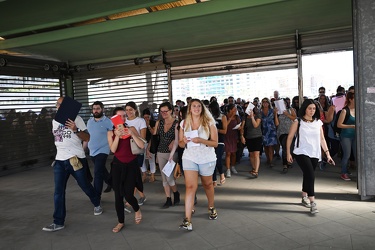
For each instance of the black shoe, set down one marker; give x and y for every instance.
(176, 198)
(108, 189)
(285, 170)
(168, 203)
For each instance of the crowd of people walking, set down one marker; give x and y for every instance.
(194, 140)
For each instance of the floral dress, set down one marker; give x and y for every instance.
(269, 129)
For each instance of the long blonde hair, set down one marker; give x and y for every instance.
(205, 118)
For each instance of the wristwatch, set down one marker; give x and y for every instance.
(78, 130)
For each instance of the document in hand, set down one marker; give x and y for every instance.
(339, 102)
(118, 122)
(190, 135)
(249, 108)
(280, 105)
(68, 109)
(168, 168)
(237, 126)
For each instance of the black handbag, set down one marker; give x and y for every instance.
(155, 139)
(295, 138)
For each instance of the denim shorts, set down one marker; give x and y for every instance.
(205, 169)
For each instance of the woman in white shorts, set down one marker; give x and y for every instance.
(199, 137)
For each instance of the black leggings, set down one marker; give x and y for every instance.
(282, 140)
(307, 166)
(124, 180)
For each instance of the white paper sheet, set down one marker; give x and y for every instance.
(249, 108)
(237, 126)
(168, 168)
(190, 135)
(339, 102)
(280, 105)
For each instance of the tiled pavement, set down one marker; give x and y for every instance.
(262, 213)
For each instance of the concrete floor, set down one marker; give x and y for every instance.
(262, 213)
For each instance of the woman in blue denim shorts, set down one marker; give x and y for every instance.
(199, 137)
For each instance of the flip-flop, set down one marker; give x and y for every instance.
(118, 228)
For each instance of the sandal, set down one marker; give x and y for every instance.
(138, 219)
(118, 228)
(222, 181)
(214, 183)
(254, 174)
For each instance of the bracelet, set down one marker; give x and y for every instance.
(326, 151)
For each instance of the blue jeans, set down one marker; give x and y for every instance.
(347, 145)
(62, 170)
(100, 172)
(219, 151)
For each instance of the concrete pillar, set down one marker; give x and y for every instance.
(364, 77)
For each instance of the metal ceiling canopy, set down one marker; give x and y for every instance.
(204, 24)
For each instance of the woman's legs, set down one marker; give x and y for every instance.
(119, 199)
(255, 160)
(282, 140)
(168, 182)
(346, 144)
(209, 189)
(191, 185)
(227, 160)
(307, 166)
(219, 151)
(227, 163)
(269, 154)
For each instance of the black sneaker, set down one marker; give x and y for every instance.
(186, 225)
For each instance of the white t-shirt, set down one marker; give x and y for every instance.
(138, 123)
(309, 139)
(67, 143)
(200, 154)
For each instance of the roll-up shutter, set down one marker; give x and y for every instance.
(27, 105)
(327, 41)
(146, 85)
(258, 55)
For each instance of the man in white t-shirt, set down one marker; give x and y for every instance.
(70, 160)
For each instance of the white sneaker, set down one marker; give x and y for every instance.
(313, 208)
(234, 171)
(228, 173)
(305, 201)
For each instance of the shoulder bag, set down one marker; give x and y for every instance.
(134, 147)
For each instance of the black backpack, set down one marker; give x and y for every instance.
(296, 137)
(336, 130)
